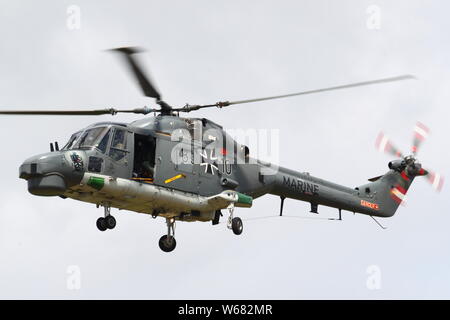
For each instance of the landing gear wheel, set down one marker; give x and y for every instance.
(110, 222)
(167, 244)
(101, 224)
(237, 226)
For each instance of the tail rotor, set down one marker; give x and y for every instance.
(409, 165)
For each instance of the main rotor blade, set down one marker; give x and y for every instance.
(188, 108)
(98, 112)
(352, 85)
(133, 66)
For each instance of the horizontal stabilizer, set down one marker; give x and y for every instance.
(374, 179)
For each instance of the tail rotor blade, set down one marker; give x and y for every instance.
(436, 180)
(421, 132)
(383, 144)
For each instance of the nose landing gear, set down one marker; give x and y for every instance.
(107, 222)
(167, 243)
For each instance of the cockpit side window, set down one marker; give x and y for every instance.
(119, 141)
(118, 145)
(104, 142)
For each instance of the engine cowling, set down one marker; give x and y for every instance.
(397, 165)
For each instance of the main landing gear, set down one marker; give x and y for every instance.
(167, 243)
(235, 223)
(107, 222)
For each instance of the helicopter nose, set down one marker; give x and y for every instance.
(51, 174)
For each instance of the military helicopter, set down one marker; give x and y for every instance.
(190, 169)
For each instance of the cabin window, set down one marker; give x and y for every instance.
(95, 164)
(246, 154)
(118, 149)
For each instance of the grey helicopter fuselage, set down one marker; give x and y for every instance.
(187, 169)
(134, 164)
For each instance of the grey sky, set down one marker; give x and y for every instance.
(203, 52)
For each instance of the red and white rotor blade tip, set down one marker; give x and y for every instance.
(421, 132)
(383, 144)
(436, 180)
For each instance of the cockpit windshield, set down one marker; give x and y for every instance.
(72, 141)
(95, 137)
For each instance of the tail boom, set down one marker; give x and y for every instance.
(378, 198)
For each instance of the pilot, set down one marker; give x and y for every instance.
(147, 169)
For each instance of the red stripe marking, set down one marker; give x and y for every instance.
(396, 199)
(402, 190)
(404, 176)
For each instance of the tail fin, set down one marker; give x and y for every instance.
(388, 191)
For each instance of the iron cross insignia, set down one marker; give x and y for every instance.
(209, 162)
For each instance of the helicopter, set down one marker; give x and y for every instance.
(190, 169)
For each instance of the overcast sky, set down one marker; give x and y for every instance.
(203, 52)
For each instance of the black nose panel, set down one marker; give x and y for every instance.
(51, 185)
